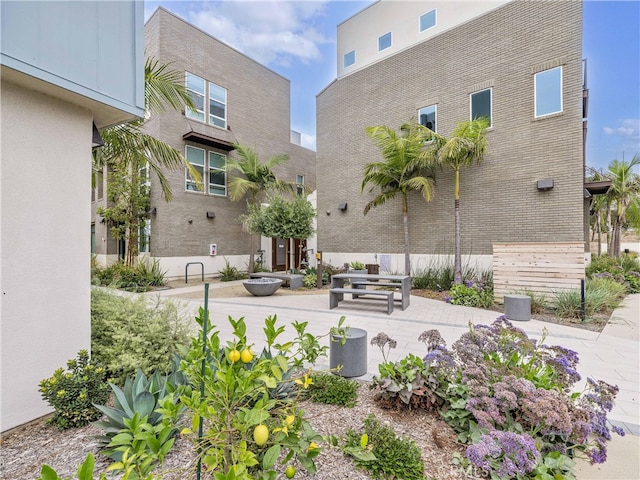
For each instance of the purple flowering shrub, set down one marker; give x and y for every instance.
(471, 294)
(511, 398)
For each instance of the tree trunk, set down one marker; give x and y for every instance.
(252, 249)
(457, 269)
(405, 224)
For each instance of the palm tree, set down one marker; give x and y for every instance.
(624, 190)
(404, 169)
(466, 146)
(255, 179)
(601, 208)
(129, 147)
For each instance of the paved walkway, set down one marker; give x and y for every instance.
(612, 355)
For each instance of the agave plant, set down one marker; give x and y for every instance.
(143, 396)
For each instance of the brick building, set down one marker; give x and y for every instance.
(519, 63)
(240, 101)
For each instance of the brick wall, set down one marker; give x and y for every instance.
(499, 199)
(258, 115)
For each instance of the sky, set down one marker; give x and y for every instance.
(297, 39)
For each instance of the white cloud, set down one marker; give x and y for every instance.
(308, 141)
(267, 31)
(628, 129)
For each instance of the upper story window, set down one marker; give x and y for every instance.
(427, 117)
(215, 110)
(300, 184)
(384, 41)
(428, 20)
(481, 105)
(548, 92)
(210, 165)
(349, 59)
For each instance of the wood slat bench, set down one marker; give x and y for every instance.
(336, 295)
(293, 281)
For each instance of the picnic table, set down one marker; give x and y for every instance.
(360, 283)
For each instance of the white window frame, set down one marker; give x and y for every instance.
(211, 117)
(390, 41)
(435, 113)
(535, 93)
(145, 233)
(187, 178)
(199, 115)
(435, 20)
(490, 89)
(216, 169)
(300, 184)
(344, 59)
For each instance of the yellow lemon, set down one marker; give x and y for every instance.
(290, 471)
(290, 419)
(246, 355)
(234, 355)
(260, 435)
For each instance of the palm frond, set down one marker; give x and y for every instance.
(164, 87)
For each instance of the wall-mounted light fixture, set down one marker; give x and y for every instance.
(102, 220)
(328, 212)
(190, 220)
(342, 206)
(96, 140)
(153, 211)
(546, 184)
(211, 214)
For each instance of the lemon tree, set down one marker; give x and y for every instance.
(250, 424)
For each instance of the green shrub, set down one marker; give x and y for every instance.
(624, 270)
(310, 280)
(471, 294)
(394, 457)
(333, 390)
(127, 334)
(137, 278)
(602, 296)
(73, 393)
(230, 273)
(313, 271)
(434, 277)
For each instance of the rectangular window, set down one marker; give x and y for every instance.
(100, 184)
(384, 41)
(195, 156)
(300, 184)
(217, 174)
(349, 59)
(481, 105)
(428, 20)
(217, 105)
(196, 89)
(144, 237)
(548, 92)
(93, 238)
(427, 117)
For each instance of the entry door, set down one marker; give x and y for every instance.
(279, 254)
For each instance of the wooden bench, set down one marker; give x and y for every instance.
(293, 281)
(336, 295)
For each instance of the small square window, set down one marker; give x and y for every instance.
(481, 105)
(349, 58)
(427, 117)
(428, 20)
(384, 41)
(548, 92)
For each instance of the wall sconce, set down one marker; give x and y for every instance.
(546, 184)
(153, 211)
(328, 212)
(190, 220)
(102, 220)
(211, 214)
(96, 139)
(342, 206)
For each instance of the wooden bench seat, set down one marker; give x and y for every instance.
(337, 294)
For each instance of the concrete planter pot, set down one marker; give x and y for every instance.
(262, 287)
(352, 356)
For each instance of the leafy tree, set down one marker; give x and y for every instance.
(253, 181)
(624, 191)
(283, 218)
(128, 149)
(466, 146)
(404, 168)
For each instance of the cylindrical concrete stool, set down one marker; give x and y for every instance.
(352, 356)
(517, 307)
